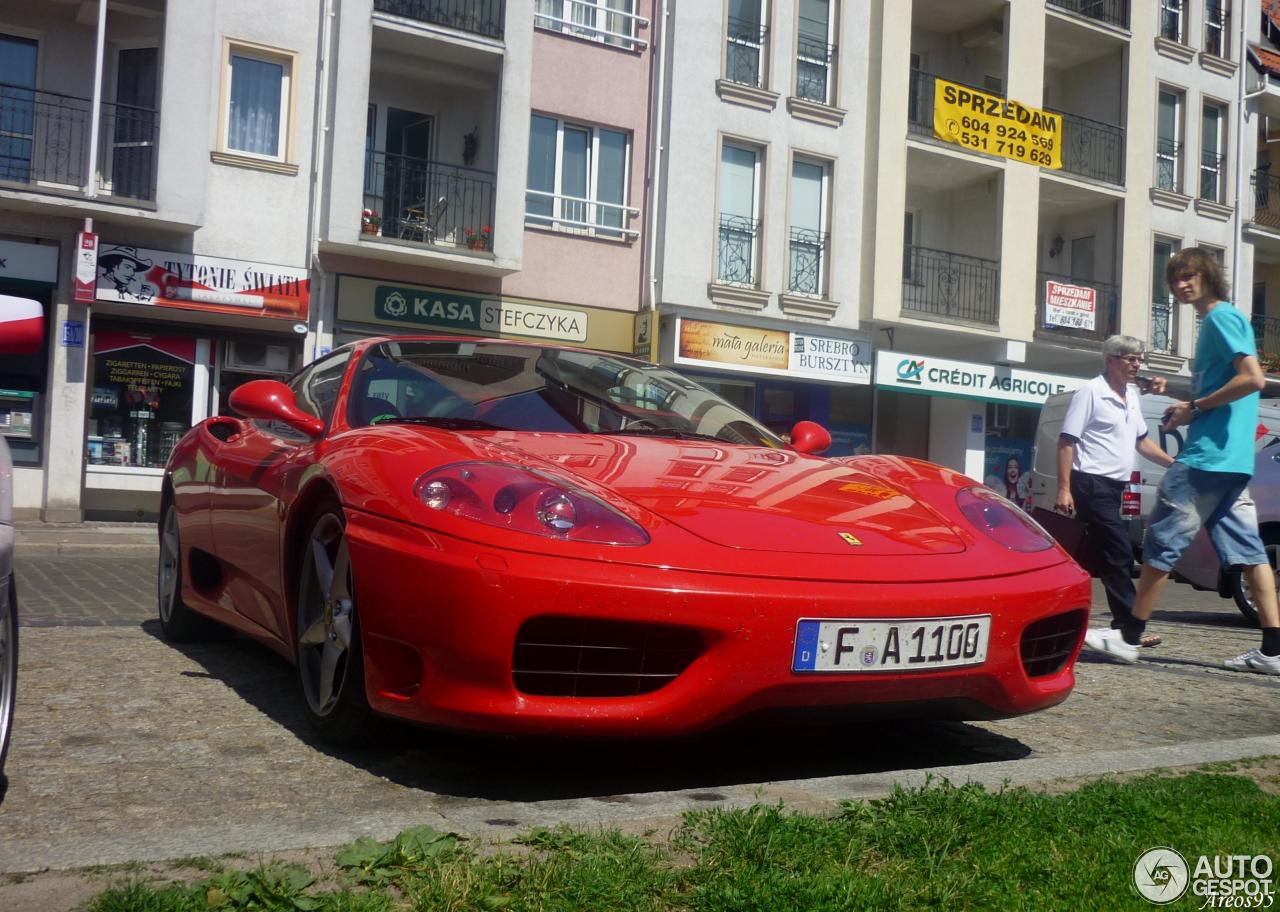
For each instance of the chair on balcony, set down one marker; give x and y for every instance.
(420, 223)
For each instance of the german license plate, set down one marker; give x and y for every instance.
(849, 646)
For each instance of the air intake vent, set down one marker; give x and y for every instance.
(1047, 644)
(578, 657)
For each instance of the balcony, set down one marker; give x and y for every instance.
(1168, 165)
(747, 47)
(737, 244)
(45, 137)
(1266, 330)
(1212, 185)
(1163, 327)
(479, 17)
(1106, 310)
(814, 63)
(807, 255)
(953, 286)
(430, 203)
(1092, 149)
(1109, 12)
(1266, 200)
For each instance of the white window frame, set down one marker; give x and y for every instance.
(560, 202)
(824, 223)
(1162, 295)
(757, 190)
(1220, 170)
(1178, 10)
(760, 44)
(833, 15)
(1176, 156)
(287, 60)
(590, 19)
(1224, 39)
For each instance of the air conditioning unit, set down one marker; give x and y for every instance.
(256, 357)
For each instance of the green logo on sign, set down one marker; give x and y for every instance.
(426, 307)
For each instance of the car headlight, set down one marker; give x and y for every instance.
(999, 519)
(525, 500)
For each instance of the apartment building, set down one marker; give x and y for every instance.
(759, 246)
(299, 179)
(996, 270)
(1259, 173)
(187, 164)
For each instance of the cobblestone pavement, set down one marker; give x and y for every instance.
(127, 747)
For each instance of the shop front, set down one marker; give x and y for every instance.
(979, 419)
(171, 335)
(28, 269)
(372, 307)
(777, 375)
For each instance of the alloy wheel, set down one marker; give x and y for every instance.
(326, 610)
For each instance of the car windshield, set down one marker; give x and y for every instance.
(497, 386)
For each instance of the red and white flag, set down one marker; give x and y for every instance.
(21, 326)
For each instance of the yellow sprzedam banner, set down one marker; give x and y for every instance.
(977, 120)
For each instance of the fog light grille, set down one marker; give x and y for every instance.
(580, 657)
(1047, 644)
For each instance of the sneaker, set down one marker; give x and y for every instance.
(1111, 642)
(1255, 660)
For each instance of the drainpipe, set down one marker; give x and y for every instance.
(95, 112)
(655, 156)
(319, 187)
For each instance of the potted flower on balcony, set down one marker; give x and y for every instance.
(370, 222)
(479, 240)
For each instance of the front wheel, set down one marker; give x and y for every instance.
(330, 660)
(1238, 583)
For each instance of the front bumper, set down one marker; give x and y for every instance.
(440, 618)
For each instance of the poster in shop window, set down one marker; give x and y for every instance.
(138, 275)
(1007, 468)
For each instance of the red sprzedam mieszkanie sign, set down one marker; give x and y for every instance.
(137, 275)
(1072, 306)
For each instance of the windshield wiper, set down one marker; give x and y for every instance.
(662, 432)
(449, 424)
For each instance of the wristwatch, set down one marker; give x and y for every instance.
(1195, 410)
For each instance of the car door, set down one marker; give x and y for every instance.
(258, 475)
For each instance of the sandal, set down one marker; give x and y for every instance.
(1150, 639)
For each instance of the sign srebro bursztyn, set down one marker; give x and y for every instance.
(978, 120)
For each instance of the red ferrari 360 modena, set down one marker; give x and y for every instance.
(513, 537)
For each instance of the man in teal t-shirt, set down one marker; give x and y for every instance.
(1208, 482)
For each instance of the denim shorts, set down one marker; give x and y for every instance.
(1220, 501)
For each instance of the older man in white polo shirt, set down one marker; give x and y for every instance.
(1102, 428)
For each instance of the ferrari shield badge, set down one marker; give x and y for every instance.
(850, 539)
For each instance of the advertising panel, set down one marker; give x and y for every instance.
(988, 123)
(966, 380)
(725, 346)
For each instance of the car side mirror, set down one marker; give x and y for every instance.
(21, 326)
(810, 437)
(271, 400)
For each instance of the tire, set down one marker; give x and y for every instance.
(328, 650)
(179, 623)
(1238, 584)
(8, 672)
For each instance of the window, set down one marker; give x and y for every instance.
(257, 94)
(578, 178)
(1162, 310)
(612, 22)
(815, 52)
(807, 244)
(316, 389)
(737, 249)
(1169, 141)
(1213, 152)
(17, 107)
(910, 235)
(1171, 12)
(1216, 17)
(746, 50)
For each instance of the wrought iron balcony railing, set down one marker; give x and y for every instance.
(45, 137)
(1105, 314)
(430, 202)
(480, 17)
(1217, 36)
(746, 50)
(737, 251)
(1266, 330)
(815, 61)
(1212, 184)
(1266, 199)
(1092, 148)
(1112, 12)
(1163, 329)
(950, 285)
(1169, 165)
(807, 261)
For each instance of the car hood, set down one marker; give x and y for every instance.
(750, 498)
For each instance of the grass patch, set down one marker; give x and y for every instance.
(942, 846)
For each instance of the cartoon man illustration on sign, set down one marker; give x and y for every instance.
(118, 269)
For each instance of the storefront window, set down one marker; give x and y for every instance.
(22, 379)
(141, 398)
(1011, 431)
